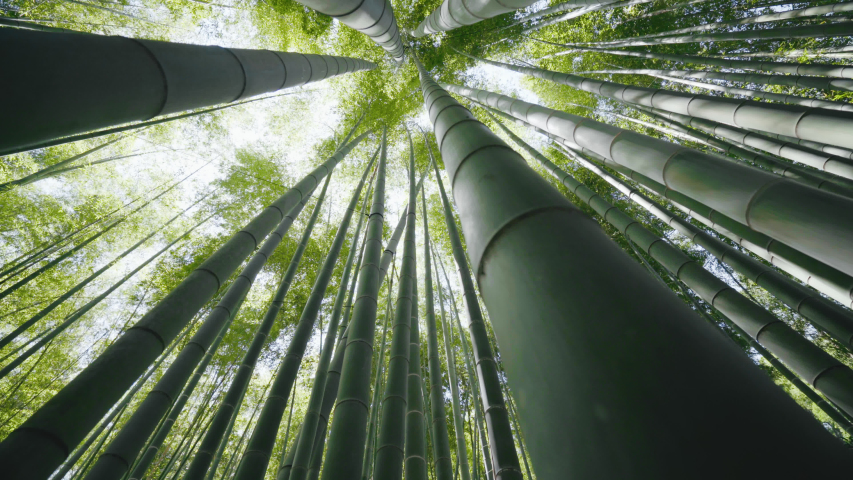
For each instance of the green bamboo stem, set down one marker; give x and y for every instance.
(305, 442)
(791, 68)
(226, 472)
(374, 18)
(829, 30)
(548, 275)
(583, 11)
(783, 209)
(347, 432)
(841, 152)
(810, 11)
(458, 425)
(415, 464)
(678, 6)
(392, 425)
(798, 81)
(796, 53)
(503, 456)
(815, 124)
(287, 460)
(53, 332)
(149, 78)
(254, 463)
(836, 165)
(558, 8)
(367, 463)
(42, 442)
(441, 439)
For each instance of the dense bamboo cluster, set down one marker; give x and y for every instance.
(612, 301)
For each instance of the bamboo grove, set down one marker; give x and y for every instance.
(425, 239)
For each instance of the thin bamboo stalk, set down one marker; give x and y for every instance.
(798, 81)
(583, 11)
(415, 457)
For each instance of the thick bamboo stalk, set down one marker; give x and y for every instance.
(415, 457)
(815, 124)
(834, 164)
(791, 68)
(503, 455)
(374, 18)
(810, 220)
(305, 442)
(44, 440)
(798, 81)
(254, 463)
(392, 425)
(441, 439)
(822, 371)
(827, 30)
(367, 464)
(119, 80)
(841, 152)
(810, 11)
(811, 272)
(347, 433)
(458, 426)
(548, 276)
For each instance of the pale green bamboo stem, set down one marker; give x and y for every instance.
(583, 11)
(415, 458)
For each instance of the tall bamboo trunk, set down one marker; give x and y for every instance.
(41, 443)
(783, 209)
(392, 425)
(813, 124)
(440, 437)
(458, 425)
(347, 433)
(104, 81)
(415, 456)
(374, 18)
(548, 276)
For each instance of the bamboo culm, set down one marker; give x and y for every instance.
(440, 437)
(42, 442)
(565, 274)
(347, 432)
(150, 78)
(415, 463)
(392, 425)
(781, 208)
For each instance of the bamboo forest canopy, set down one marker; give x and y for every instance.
(432, 239)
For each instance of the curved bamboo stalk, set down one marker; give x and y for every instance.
(42, 442)
(799, 81)
(816, 274)
(836, 165)
(441, 439)
(305, 442)
(392, 425)
(791, 68)
(828, 30)
(825, 373)
(148, 78)
(374, 18)
(524, 237)
(458, 425)
(815, 124)
(783, 209)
